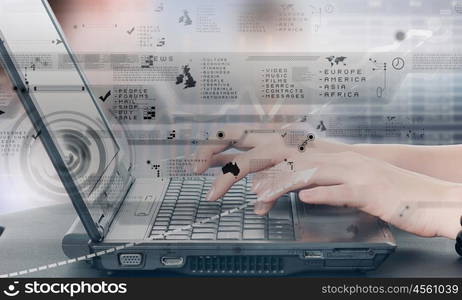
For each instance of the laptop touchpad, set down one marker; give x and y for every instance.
(319, 223)
(282, 209)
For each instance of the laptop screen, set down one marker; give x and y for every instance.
(62, 97)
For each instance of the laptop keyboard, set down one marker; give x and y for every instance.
(184, 204)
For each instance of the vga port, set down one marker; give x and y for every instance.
(130, 259)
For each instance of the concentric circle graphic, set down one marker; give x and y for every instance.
(82, 143)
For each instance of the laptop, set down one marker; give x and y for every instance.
(129, 223)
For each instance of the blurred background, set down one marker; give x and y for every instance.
(172, 74)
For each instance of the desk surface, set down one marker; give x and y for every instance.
(33, 238)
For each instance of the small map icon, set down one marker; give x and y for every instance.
(231, 168)
(336, 60)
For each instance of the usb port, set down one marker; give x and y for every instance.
(313, 254)
(172, 261)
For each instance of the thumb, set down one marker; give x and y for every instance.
(334, 195)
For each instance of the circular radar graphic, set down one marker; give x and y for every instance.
(82, 147)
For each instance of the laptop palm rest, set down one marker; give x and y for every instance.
(326, 224)
(136, 213)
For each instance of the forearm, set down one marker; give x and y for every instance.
(442, 162)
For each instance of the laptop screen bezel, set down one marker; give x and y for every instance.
(123, 166)
(96, 226)
(10, 67)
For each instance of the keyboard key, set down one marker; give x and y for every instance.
(227, 224)
(254, 226)
(191, 188)
(254, 221)
(285, 237)
(193, 182)
(281, 235)
(187, 199)
(185, 205)
(210, 204)
(166, 216)
(205, 225)
(279, 221)
(206, 214)
(234, 198)
(166, 208)
(229, 228)
(203, 236)
(157, 232)
(229, 235)
(184, 212)
(206, 221)
(169, 200)
(190, 195)
(179, 227)
(204, 230)
(210, 207)
(171, 194)
(231, 218)
(181, 222)
(178, 232)
(227, 206)
(183, 219)
(159, 228)
(254, 234)
(177, 237)
(278, 227)
(161, 223)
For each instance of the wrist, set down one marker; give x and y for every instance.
(451, 204)
(388, 153)
(458, 246)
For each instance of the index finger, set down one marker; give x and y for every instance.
(264, 157)
(235, 138)
(216, 145)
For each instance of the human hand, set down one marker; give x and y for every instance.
(263, 150)
(411, 201)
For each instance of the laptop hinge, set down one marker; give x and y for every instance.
(103, 223)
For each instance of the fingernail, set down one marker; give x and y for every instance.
(210, 194)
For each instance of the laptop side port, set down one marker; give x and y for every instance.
(313, 254)
(170, 261)
(130, 259)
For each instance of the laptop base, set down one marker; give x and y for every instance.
(230, 258)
